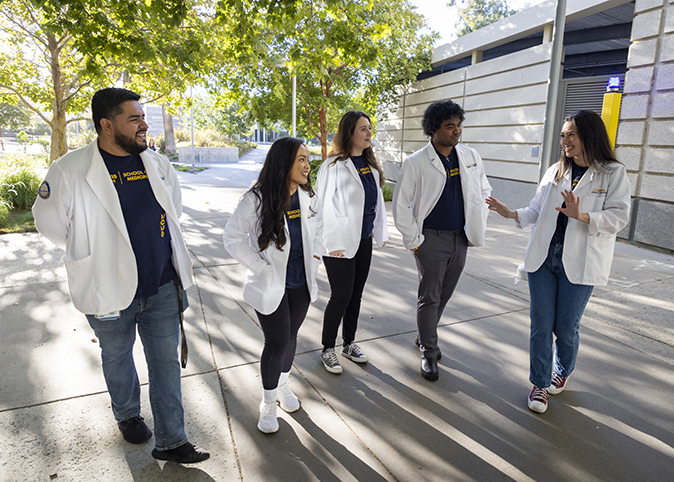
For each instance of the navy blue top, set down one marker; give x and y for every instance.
(295, 277)
(370, 187)
(145, 222)
(562, 219)
(448, 214)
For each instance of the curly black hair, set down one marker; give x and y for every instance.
(439, 112)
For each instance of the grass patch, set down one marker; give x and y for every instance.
(185, 168)
(19, 221)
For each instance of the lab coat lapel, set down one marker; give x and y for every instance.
(161, 194)
(305, 205)
(351, 167)
(586, 180)
(98, 178)
(435, 159)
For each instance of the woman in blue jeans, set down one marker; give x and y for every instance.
(581, 203)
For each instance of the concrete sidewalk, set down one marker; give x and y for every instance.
(380, 421)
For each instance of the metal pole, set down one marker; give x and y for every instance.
(294, 105)
(192, 127)
(549, 134)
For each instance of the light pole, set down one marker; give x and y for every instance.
(294, 105)
(553, 88)
(192, 128)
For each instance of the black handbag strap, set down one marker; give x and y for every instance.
(183, 338)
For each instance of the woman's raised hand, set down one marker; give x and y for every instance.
(496, 205)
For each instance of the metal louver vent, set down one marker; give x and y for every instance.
(586, 95)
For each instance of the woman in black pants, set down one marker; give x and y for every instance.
(275, 232)
(354, 214)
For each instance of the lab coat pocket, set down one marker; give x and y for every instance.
(600, 253)
(80, 280)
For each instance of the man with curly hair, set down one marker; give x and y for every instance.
(439, 208)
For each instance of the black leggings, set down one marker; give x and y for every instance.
(280, 335)
(347, 280)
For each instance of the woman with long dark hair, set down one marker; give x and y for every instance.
(582, 202)
(349, 186)
(275, 232)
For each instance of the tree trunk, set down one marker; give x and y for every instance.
(59, 139)
(323, 126)
(169, 134)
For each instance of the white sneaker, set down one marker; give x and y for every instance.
(287, 399)
(330, 361)
(353, 353)
(268, 422)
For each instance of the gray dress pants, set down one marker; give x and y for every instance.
(440, 261)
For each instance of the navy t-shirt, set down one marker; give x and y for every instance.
(145, 222)
(562, 219)
(295, 277)
(448, 213)
(370, 187)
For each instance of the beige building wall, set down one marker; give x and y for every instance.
(646, 130)
(504, 100)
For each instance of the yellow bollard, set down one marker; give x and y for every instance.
(610, 111)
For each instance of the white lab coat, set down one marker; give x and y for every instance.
(588, 249)
(266, 279)
(82, 215)
(342, 196)
(420, 185)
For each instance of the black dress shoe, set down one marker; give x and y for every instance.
(134, 430)
(418, 344)
(183, 454)
(429, 368)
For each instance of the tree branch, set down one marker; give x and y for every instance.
(30, 106)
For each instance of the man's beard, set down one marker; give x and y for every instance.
(128, 144)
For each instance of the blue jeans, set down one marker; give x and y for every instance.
(556, 306)
(157, 318)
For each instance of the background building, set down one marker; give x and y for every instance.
(499, 74)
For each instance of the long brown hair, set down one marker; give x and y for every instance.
(342, 142)
(594, 141)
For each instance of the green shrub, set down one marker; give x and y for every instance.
(244, 146)
(4, 213)
(387, 191)
(315, 165)
(11, 162)
(84, 138)
(19, 182)
(182, 136)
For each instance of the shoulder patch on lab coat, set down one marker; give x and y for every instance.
(44, 191)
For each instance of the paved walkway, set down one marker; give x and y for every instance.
(376, 422)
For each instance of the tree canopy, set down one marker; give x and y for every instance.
(344, 54)
(475, 14)
(57, 53)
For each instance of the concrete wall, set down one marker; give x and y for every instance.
(504, 100)
(209, 154)
(646, 130)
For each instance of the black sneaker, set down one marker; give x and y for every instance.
(183, 454)
(134, 430)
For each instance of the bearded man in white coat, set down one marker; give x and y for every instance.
(113, 206)
(439, 208)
